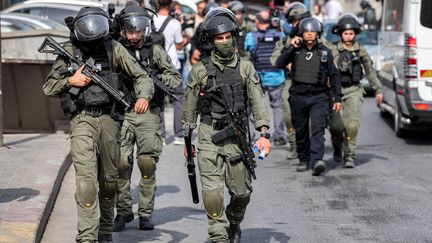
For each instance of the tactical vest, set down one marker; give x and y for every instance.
(310, 66)
(349, 65)
(144, 56)
(234, 93)
(93, 98)
(265, 43)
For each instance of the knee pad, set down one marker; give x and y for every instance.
(213, 203)
(86, 193)
(108, 189)
(240, 202)
(351, 129)
(147, 166)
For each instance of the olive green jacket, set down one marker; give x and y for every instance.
(160, 60)
(371, 74)
(56, 83)
(198, 78)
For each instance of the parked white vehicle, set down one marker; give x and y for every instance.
(405, 51)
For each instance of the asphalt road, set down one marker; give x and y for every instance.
(386, 198)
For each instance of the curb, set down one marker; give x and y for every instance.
(52, 198)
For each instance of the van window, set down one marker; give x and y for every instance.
(393, 19)
(425, 14)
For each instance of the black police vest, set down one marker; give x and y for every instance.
(349, 65)
(144, 56)
(309, 66)
(226, 85)
(265, 43)
(93, 97)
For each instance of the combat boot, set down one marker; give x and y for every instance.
(105, 238)
(292, 153)
(234, 233)
(349, 163)
(302, 166)
(145, 224)
(120, 222)
(337, 154)
(318, 168)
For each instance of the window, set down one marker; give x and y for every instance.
(59, 15)
(393, 18)
(37, 11)
(426, 14)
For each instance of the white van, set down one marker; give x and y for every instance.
(405, 63)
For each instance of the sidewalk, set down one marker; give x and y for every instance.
(32, 167)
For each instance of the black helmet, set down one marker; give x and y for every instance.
(365, 4)
(135, 18)
(310, 24)
(347, 22)
(209, 7)
(220, 20)
(91, 23)
(297, 11)
(236, 7)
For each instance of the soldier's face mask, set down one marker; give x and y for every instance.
(224, 45)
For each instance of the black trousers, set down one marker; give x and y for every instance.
(310, 145)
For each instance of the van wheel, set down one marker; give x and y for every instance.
(400, 132)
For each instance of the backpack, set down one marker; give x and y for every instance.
(157, 35)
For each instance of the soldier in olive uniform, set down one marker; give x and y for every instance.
(221, 163)
(350, 58)
(296, 12)
(142, 129)
(96, 118)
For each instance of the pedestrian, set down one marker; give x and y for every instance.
(351, 59)
(317, 13)
(245, 24)
(200, 49)
(312, 65)
(96, 118)
(221, 163)
(369, 15)
(294, 14)
(142, 129)
(261, 44)
(174, 41)
(332, 9)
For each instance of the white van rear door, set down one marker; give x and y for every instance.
(424, 48)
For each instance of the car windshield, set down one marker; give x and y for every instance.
(366, 37)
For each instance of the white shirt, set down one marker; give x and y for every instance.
(172, 34)
(333, 9)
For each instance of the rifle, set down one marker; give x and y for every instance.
(90, 70)
(234, 129)
(187, 132)
(156, 80)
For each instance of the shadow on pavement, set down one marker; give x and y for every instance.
(160, 190)
(26, 139)
(171, 214)
(263, 235)
(22, 194)
(137, 236)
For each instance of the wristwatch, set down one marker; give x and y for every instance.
(265, 134)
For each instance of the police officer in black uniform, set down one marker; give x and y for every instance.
(312, 66)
